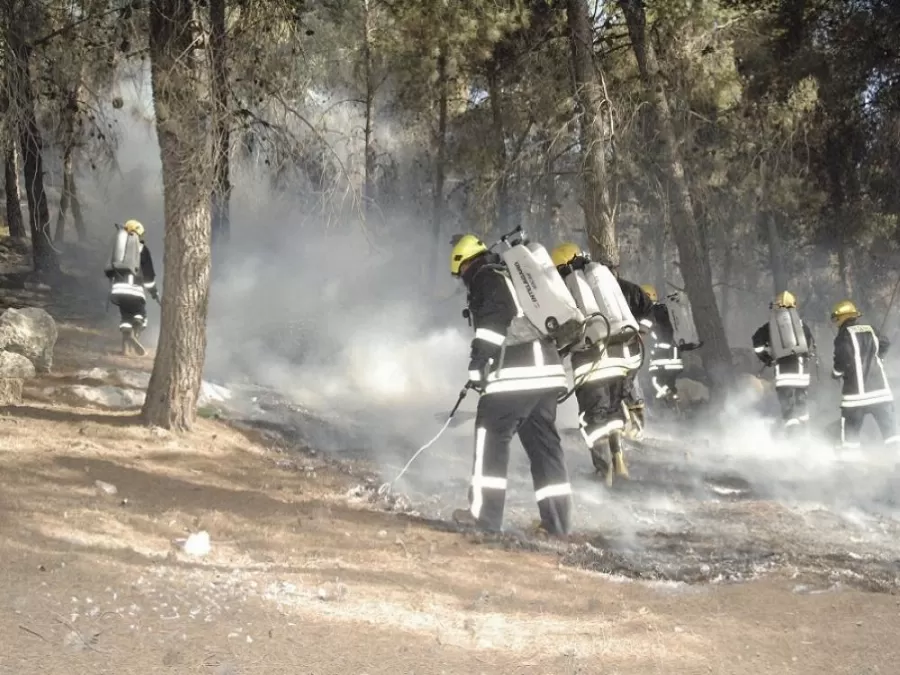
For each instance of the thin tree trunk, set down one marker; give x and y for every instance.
(727, 281)
(65, 194)
(369, 178)
(500, 156)
(14, 219)
(845, 268)
(45, 260)
(659, 256)
(776, 257)
(549, 213)
(440, 154)
(599, 210)
(186, 149)
(77, 215)
(221, 194)
(694, 262)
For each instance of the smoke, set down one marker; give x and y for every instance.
(351, 321)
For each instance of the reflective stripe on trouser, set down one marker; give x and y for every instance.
(664, 383)
(600, 413)
(496, 421)
(123, 288)
(852, 419)
(794, 408)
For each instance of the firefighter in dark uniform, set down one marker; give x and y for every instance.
(665, 355)
(604, 375)
(519, 386)
(791, 372)
(858, 350)
(128, 293)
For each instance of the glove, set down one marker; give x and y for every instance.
(154, 293)
(475, 386)
(691, 346)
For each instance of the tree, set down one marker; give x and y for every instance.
(20, 17)
(179, 81)
(599, 210)
(694, 260)
(14, 220)
(221, 196)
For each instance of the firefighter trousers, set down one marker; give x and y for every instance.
(663, 383)
(794, 406)
(531, 414)
(600, 412)
(852, 421)
(132, 312)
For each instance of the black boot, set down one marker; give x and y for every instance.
(602, 467)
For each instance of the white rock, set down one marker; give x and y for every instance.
(197, 544)
(107, 488)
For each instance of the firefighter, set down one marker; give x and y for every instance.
(858, 351)
(665, 354)
(519, 385)
(792, 374)
(128, 291)
(608, 404)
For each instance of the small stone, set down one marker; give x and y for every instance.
(106, 488)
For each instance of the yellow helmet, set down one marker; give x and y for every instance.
(466, 247)
(564, 253)
(134, 227)
(650, 291)
(843, 311)
(785, 299)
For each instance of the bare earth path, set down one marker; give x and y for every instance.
(304, 579)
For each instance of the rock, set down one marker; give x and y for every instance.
(11, 390)
(212, 393)
(119, 377)
(105, 396)
(197, 544)
(106, 488)
(15, 365)
(692, 391)
(31, 332)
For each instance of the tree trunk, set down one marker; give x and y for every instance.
(440, 156)
(369, 159)
(659, 257)
(186, 149)
(23, 102)
(599, 210)
(80, 227)
(845, 268)
(14, 219)
(501, 222)
(221, 193)
(776, 259)
(65, 194)
(693, 260)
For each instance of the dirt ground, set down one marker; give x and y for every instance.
(304, 578)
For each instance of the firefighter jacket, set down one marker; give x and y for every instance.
(664, 353)
(857, 361)
(131, 285)
(494, 366)
(617, 359)
(790, 371)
